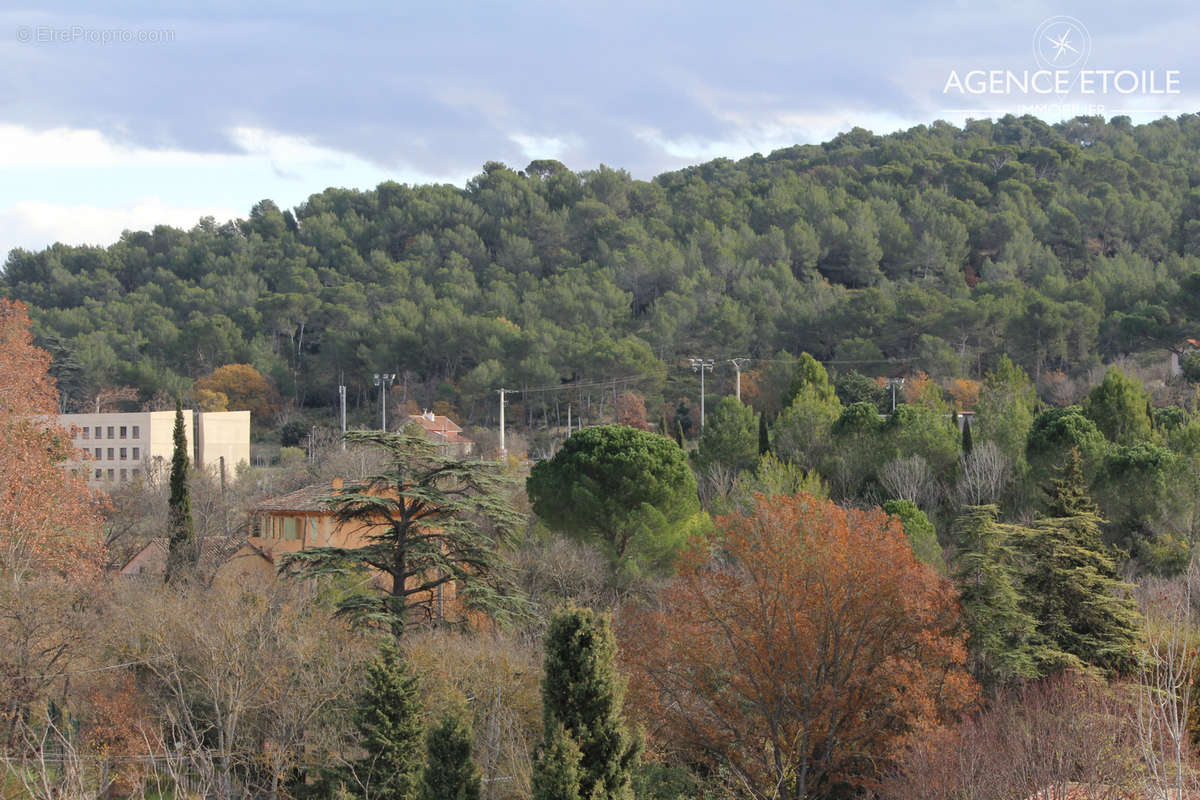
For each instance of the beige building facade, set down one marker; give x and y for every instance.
(120, 447)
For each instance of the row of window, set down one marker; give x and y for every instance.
(124, 453)
(86, 432)
(287, 528)
(111, 474)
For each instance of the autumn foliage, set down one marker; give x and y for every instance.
(49, 521)
(803, 653)
(242, 387)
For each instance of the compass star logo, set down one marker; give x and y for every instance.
(1061, 43)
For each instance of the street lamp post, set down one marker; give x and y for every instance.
(701, 365)
(384, 381)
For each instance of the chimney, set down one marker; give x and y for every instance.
(337, 484)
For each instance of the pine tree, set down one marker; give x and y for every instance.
(764, 439)
(967, 443)
(1067, 495)
(182, 551)
(582, 696)
(1001, 633)
(450, 774)
(556, 772)
(1072, 585)
(388, 722)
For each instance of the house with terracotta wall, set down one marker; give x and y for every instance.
(222, 558)
(444, 432)
(297, 520)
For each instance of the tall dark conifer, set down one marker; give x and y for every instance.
(764, 439)
(1072, 584)
(450, 774)
(388, 719)
(582, 695)
(181, 548)
(968, 444)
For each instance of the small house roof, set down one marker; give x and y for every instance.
(307, 499)
(214, 550)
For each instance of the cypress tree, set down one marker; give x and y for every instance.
(967, 443)
(387, 718)
(556, 771)
(181, 548)
(450, 774)
(582, 696)
(764, 440)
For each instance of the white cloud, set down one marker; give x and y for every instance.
(34, 224)
(540, 146)
(80, 186)
(764, 132)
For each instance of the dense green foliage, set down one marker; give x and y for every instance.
(629, 491)
(1002, 641)
(388, 720)
(945, 247)
(730, 438)
(582, 694)
(182, 550)
(919, 530)
(449, 774)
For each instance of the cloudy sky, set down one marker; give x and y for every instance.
(144, 114)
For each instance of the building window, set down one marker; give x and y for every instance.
(98, 452)
(137, 453)
(289, 528)
(110, 455)
(123, 430)
(99, 474)
(110, 432)
(124, 452)
(85, 433)
(110, 474)
(124, 475)
(97, 436)
(137, 432)
(137, 472)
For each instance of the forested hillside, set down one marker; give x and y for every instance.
(939, 247)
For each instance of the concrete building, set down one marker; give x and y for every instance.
(124, 446)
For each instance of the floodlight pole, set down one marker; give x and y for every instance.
(384, 381)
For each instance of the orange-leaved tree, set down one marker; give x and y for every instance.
(49, 520)
(244, 387)
(798, 651)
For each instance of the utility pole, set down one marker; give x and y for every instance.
(503, 449)
(384, 381)
(737, 364)
(894, 382)
(342, 398)
(702, 365)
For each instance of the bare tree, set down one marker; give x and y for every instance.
(716, 484)
(244, 698)
(1065, 737)
(1165, 683)
(984, 474)
(909, 479)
